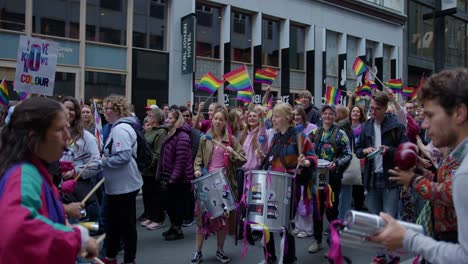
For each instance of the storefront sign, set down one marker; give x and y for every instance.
(36, 65)
(188, 43)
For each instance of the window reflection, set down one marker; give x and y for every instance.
(296, 47)
(106, 21)
(12, 15)
(270, 43)
(102, 84)
(455, 39)
(421, 37)
(208, 31)
(149, 24)
(241, 37)
(57, 18)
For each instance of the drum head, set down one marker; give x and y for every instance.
(323, 163)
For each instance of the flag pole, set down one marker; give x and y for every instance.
(375, 76)
(211, 95)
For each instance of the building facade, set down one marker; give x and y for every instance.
(422, 50)
(134, 47)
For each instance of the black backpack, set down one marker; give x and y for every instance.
(144, 152)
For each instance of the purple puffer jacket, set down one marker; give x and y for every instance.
(176, 156)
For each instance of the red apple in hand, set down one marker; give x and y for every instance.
(405, 159)
(408, 145)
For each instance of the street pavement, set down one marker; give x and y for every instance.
(152, 248)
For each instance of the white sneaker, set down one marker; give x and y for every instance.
(302, 234)
(315, 247)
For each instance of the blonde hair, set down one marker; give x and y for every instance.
(179, 121)
(284, 110)
(119, 105)
(225, 114)
(256, 109)
(89, 123)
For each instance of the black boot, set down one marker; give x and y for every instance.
(169, 231)
(176, 234)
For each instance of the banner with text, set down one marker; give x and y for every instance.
(188, 30)
(36, 65)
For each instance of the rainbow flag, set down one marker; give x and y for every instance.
(22, 95)
(270, 103)
(363, 90)
(414, 95)
(408, 91)
(244, 96)
(209, 83)
(332, 95)
(239, 79)
(359, 67)
(371, 84)
(395, 84)
(297, 101)
(266, 76)
(4, 93)
(97, 126)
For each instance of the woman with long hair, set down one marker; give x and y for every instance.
(300, 120)
(289, 150)
(33, 224)
(82, 150)
(122, 179)
(88, 118)
(212, 157)
(176, 171)
(357, 118)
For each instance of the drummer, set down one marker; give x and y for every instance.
(284, 155)
(331, 144)
(212, 157)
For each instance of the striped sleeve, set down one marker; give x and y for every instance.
(25, 223)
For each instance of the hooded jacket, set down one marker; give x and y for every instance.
(176, 155)
(390, 139)
(119, 167)
(155, 137)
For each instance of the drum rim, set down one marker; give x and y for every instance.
(208, 175)
(271, 172)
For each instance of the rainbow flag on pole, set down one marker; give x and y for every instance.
(363, 90)
(239, 79)
(98, 126)
(414, 95)
(266, 76)
(332, 95)
(408, 91)
(209, 83)
(22, 95)
(395, 84)
(244, 96)
(4, 93)
(359, 67)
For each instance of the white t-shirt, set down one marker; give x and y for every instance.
(378, 160)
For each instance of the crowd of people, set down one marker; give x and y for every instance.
(50, 160)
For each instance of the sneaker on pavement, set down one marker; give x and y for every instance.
(146, 222)
(105, 260)
(270, 261)
(221, 257)
(197, 257)
(315, 247)
(379, 260)
(154, 226)
(168, 232)
(302, 234)
(188, 223)
(176, 235)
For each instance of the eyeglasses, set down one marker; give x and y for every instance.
(186, 116)
(375, 109)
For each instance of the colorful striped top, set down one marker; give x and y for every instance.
(33, 219)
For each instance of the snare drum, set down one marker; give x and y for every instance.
(323, 174)
(269, 199)
(215, 194)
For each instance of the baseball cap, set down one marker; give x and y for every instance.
(327, 106)
(151, 107)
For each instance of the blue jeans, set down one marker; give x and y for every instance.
(383, 200)
(346, 196)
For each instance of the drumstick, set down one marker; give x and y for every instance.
(98, 241)
(93, 190)
(208, 137)
(85, 167)
(98, 261)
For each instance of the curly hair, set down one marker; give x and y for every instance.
(27, 127)
(119, 103)
(77, 126)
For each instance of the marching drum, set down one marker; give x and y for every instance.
(269, 199)
(322, 173)
(214, 192)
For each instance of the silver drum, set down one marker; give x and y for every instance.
(214, 192)
(323, 175)
(269, 198)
